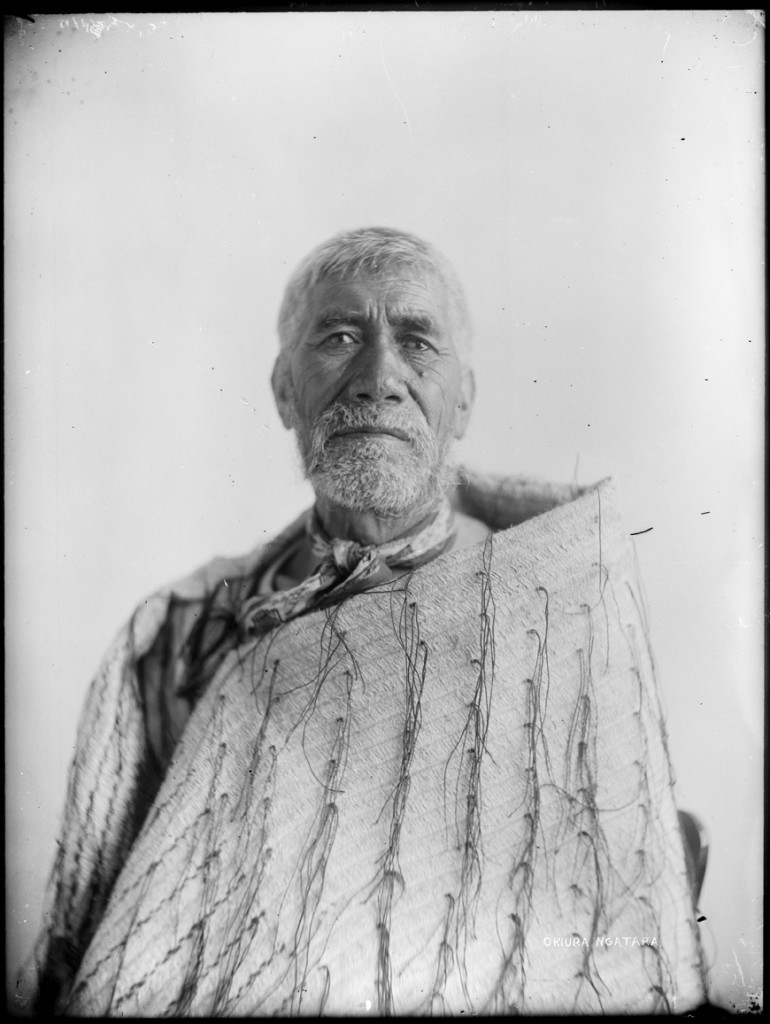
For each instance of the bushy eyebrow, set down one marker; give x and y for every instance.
(337, 318)
(420, 323)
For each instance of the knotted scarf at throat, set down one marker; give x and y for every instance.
(346, 567)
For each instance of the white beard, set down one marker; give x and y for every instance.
(373, 474)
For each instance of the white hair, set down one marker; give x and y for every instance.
(371, 250)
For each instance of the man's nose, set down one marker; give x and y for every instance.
(378, 372)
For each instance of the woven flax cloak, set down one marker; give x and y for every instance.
(448, 794)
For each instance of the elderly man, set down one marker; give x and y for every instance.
(406, 758)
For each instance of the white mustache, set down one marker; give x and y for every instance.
(342, 417)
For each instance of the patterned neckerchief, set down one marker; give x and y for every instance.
(346, 567)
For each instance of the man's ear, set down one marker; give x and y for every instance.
(465, 398)
(282, 393)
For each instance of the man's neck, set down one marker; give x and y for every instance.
(370, 528)
(304, 561)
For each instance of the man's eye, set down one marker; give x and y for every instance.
(414, 344)
(339, 340)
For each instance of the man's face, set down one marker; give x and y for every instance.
(376, 390)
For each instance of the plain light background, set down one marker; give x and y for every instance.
(597, 179)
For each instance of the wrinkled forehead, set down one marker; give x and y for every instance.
(393, 287)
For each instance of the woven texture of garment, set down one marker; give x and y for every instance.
(448, 794)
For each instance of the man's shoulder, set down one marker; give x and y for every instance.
(198, 611)
(498, 501)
